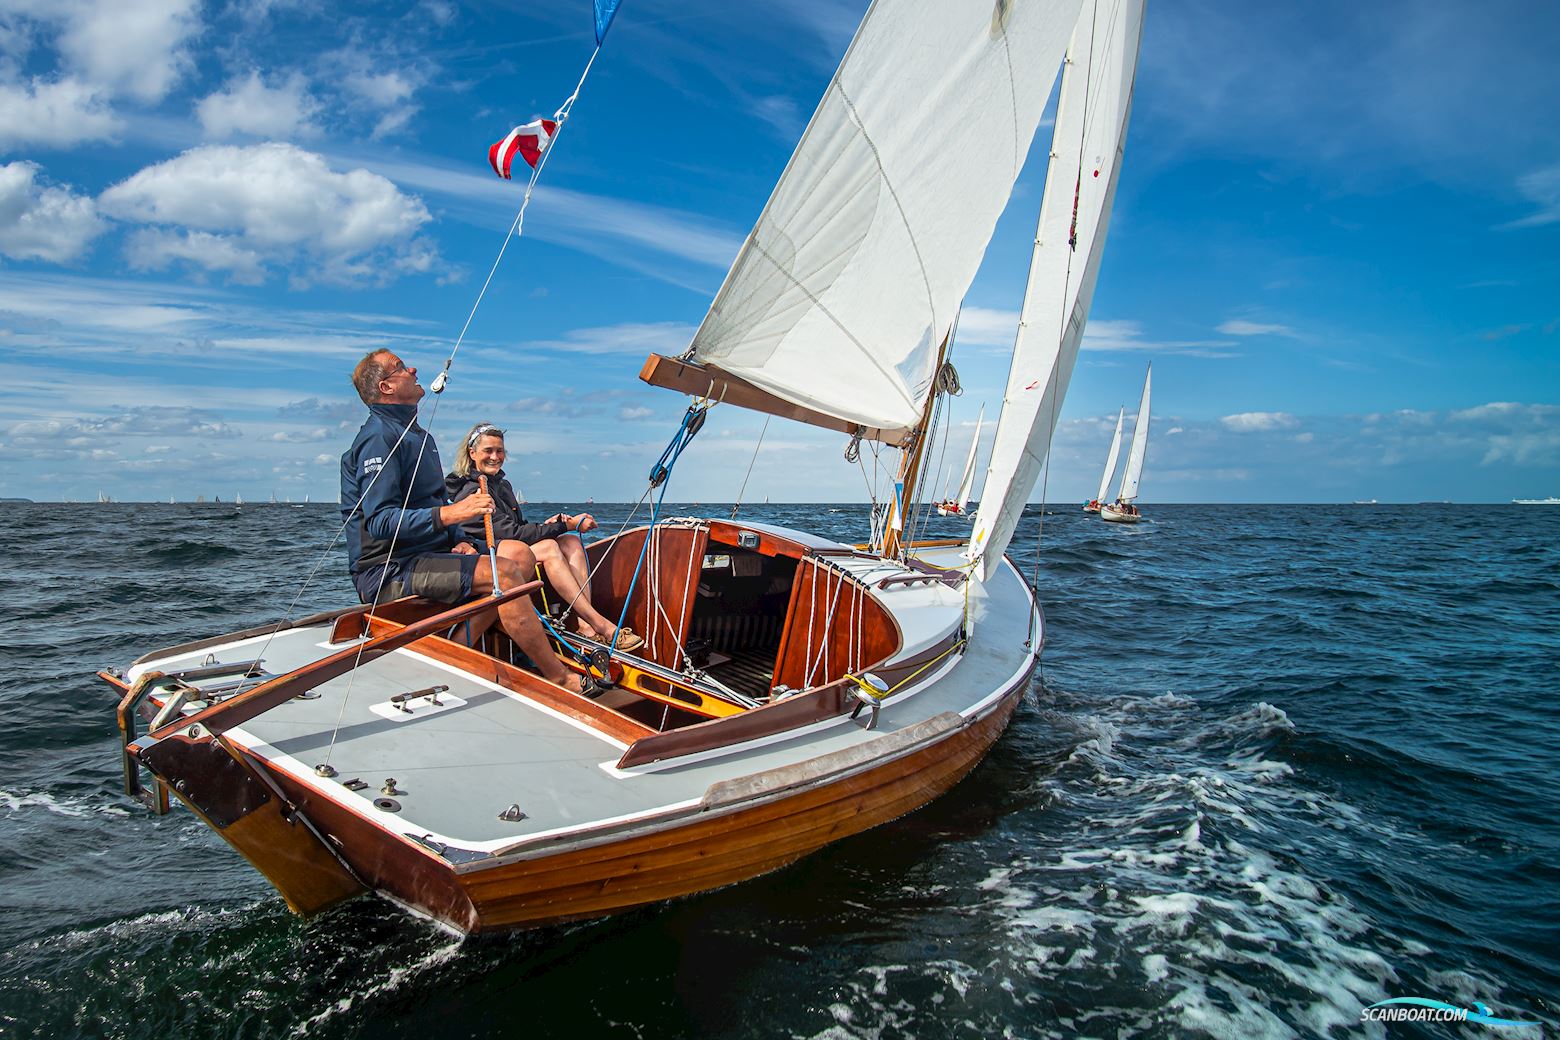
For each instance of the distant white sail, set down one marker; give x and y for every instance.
(1110, 460)
(1134, 471)
(853, 274)
(967, 482)
(1093, 108)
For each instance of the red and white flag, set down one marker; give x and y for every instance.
(530, 140)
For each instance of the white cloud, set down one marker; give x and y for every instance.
(278, 202)
(663, 337)
(43, 223)
(152, 249)
(1542, 188)
(1493, 410)
(380, 82)
(987, 327)
(53, 115)
(160, 421)
(251, 106)
(1256, 422)
(298, 436)
(134, 46)
(1239, 327)
(630, 414)
(1124, 335)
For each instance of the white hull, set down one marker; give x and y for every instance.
(1115, 516)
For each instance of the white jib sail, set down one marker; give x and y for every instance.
(1134, 471)
(853, 274)
(1092, 111)
(967, 482)
(1110, 460)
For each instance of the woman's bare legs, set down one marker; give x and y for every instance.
(561, 573)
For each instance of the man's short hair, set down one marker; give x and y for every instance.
(368, 374)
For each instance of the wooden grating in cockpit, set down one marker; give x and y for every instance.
(751, 671)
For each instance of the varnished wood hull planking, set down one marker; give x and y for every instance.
(707, 852)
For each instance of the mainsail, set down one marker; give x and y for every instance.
(1086, 146)
(1134, 471)
(853, 274)
(1110, 460)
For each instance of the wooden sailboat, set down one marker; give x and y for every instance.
(1122, 511)
(1093, 505)
(791, 690)
(957, 505)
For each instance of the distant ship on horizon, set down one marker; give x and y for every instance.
(1550, 501)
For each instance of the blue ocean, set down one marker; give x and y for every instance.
(1279, 763)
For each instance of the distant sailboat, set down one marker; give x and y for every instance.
(238, 499)
(1093, 505)
(102, 498)
(956, 506)
(1123, 511)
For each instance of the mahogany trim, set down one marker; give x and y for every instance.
(689, 377)
(793, 712)
(239, 709)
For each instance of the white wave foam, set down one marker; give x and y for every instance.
(1172, 898)
(388, 981)
(78, 808)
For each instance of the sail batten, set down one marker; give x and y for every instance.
(853, 274)
(1093, 110)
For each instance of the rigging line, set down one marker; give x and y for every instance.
(515, 229)
(660, 476)
(1067, 319)
(612, 544)
(517, 226)
(743, 489)
(325, 554)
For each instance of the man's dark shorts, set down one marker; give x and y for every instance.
(445, 577)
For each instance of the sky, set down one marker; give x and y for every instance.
(1336, 237)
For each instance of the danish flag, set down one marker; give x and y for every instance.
(530, 140)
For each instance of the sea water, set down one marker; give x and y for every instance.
(1279, 763)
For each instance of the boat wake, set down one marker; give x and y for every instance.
(1163, 886)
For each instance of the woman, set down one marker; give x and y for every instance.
(554, 543)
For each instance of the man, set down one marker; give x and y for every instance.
(403, 538)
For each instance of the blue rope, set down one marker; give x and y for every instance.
(692, 421)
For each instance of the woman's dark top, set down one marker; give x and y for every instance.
(508, 521)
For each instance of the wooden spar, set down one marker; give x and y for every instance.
(487, 529)
(689, 377)
(239, 709)
(910, 465)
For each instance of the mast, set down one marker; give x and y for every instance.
(910, 466)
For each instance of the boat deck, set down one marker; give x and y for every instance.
(457, 766)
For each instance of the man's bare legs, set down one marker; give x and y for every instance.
(519, 620)
(560, 567)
